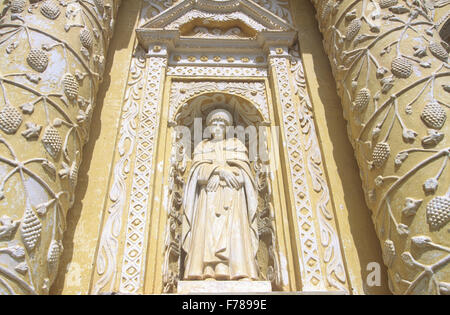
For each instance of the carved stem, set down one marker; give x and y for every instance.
(52, 59)
(399, 148)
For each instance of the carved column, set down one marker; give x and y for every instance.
(52, 56)
(392, 74)
(321, 263)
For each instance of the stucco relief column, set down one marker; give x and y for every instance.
(319, 254)
(392, 74)
(133, 265)
(52, 56)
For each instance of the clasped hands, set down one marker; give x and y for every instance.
(223, 174)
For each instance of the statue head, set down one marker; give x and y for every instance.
(218, 120)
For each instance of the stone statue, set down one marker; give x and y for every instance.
(220, 203)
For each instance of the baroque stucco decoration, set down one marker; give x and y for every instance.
(170, 35)
(391, 68)
(390, 60)
(52, 62)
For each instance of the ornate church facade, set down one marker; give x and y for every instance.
(119, 173)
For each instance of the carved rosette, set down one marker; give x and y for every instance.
(392, 72)
(52, 56)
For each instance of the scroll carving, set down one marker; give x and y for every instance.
(144, 75)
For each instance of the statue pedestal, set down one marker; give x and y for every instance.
(194, 287)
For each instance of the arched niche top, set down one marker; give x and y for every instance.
(252, 95)
(244, 111)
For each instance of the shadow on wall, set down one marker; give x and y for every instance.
(359, 216)
(125, 26)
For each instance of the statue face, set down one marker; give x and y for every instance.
(218, 129)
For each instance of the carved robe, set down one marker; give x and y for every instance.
(220, 226)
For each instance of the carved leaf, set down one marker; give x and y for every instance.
(400, 158)
(22, 268)
(27, 108)
(430, 186)
(421, 241)
(433, 138)
(7, 228)
(49, 167)
(32, 131)
(409, 135)
(411, 206)
(408, 259)
(399, 9)
(403, 229)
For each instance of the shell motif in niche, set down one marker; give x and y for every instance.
(30, 229)
(10, 119)
(387, 3)
(17, 6)
(70, 86)
(438, 51)
(50, 9)
(401, 67)
(362, 99)
(434, 115)
(37, 59)
(86, 38)
(438, 212)
(380, 154)
(52, 141)
(353, 29)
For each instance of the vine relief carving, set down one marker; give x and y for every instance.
(391, 67)
(53, 59)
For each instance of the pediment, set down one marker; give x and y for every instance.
(233, 20)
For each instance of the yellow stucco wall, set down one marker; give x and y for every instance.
(358, 240)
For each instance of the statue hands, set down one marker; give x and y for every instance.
(229, 177)
(223, 174)
(213, 183)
